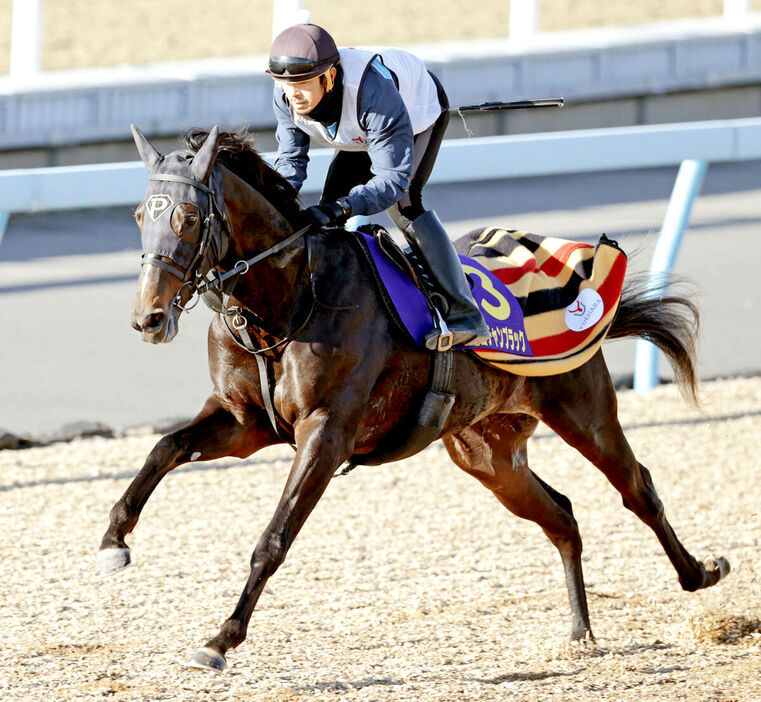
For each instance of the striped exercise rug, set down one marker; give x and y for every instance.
(548, 302)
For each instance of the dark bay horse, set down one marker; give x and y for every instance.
(342, 377)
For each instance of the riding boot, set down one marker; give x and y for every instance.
(430, 240)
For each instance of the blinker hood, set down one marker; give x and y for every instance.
(163, 196)
(161, 199)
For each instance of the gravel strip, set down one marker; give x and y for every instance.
(409, 582)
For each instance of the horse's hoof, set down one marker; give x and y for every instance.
(111, 561)
(582, 636)
(207, 659)
(717, 563)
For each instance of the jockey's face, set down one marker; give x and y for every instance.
(305, 95)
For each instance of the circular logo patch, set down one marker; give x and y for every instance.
(585, 311)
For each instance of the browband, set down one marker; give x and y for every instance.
(181, 179)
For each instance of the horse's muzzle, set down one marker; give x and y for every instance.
(155, 326)
(154, 313)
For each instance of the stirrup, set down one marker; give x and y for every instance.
(436, 340)
(439, 338)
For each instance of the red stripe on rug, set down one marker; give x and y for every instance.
(609, 291)
(555, 263)
(513, 274)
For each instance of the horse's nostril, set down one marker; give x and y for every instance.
(153, 321)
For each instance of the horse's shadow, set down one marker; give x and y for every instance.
(344, 685)
(525, 677)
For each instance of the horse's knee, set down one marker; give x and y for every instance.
(644, 492)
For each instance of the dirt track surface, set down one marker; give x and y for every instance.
(83, 33)
(409, 582)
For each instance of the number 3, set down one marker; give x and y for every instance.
(501, 310)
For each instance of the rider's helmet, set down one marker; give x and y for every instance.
(301, 52)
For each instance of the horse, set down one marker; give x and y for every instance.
(303, 352)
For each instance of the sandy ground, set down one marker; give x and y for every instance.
(409, 582)
(83, 33)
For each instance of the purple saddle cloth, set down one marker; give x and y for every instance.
(409, 307)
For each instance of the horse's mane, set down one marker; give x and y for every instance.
(237, 153)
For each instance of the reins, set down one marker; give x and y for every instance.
(217, 290)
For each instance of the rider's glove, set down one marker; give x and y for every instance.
(330, 214)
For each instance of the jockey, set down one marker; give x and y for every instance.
(385, 115)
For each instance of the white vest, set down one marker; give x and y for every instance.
(416, 87)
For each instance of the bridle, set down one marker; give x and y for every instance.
(214, 235)
(200, 275)
(216, 287)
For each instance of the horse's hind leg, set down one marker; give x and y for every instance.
(214, 433)
(494, 452)
(581, 407)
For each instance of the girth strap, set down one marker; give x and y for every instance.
(431, 418)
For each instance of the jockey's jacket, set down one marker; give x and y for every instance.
(388, 97)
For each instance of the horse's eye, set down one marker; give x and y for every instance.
(191, 221)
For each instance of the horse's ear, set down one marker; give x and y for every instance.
(206, 156)
(149, 155)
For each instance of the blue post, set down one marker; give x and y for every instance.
(4, 217)
(687, 185)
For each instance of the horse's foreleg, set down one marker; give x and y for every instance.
(581, 408)
(321, 449)
(494, 452)
(214, 433)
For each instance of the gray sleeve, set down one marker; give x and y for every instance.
(383, 115)
(293, 144)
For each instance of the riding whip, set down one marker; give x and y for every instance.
(509, 105)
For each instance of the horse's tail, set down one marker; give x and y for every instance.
(669, 320)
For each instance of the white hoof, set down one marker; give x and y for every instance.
(718, 563)
(111, 561)
(207, 659)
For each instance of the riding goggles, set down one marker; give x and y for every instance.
(295, 69)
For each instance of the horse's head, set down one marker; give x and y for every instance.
(182, 223)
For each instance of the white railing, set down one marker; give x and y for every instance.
(460, 160)
(691, 144)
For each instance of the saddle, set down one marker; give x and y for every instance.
(548, 302)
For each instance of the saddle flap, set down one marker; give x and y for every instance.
(396, 282)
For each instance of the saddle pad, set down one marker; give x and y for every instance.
(548, 302)
(404, 302)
